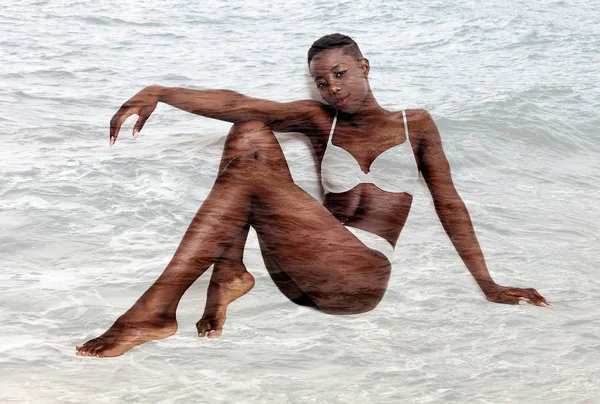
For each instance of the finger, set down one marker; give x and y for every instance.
(516, 296)
(532, 299)
(117, 121)
(538, 299)
(542, 299)
(139, 124)
(507, 298)
(143, 116)
(522, 297)
(535, 297)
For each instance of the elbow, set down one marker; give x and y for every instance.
(448, 200)
(450, 208)
(237, 103)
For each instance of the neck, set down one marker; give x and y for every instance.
(368, 109)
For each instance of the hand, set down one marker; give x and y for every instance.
(142, 104)
(510, 295)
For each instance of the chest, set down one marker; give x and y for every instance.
(364, 144)
(366, 150)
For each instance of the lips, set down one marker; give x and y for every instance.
(341, 102)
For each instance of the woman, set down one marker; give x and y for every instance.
(332, 256)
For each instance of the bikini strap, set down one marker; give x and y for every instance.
(332, 127)
(405, 123)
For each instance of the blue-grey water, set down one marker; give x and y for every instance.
(85, 229)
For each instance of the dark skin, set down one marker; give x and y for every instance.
(311, 256)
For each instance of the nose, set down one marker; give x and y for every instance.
(334, 87)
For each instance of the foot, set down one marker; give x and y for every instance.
(226, 285)
(126, 333)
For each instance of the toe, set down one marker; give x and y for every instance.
(82, 350)
(88, 351)
(215, 333)
(88, 347)
(201, 326)
(98, 348)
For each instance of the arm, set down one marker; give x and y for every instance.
(454, 216)
(225, 105)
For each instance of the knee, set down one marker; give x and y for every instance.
(249, 126)
(249, 136)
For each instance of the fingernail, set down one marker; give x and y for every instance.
(136, 133)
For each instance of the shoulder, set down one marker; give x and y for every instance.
(419, 120)
(315, 112)
(309, 106)
(422, 127)
(318, 112)
(303, 116)
(310, 117)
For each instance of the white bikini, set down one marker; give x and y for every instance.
(395, 170)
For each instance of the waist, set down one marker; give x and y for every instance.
(367, 207)
(373, 241)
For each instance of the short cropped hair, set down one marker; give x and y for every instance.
(333, 41)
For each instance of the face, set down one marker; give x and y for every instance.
(341, 79)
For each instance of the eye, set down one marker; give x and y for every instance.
(320, 84)
(340, 74)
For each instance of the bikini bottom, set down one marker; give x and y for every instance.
(373, 241)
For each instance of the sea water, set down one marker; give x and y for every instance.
(85, 229)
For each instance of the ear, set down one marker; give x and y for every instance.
(364, 65)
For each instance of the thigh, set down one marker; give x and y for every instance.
(328, 262)
(282, 280)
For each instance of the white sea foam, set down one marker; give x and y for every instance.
(86, 228)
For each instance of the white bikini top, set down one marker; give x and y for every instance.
(394, 170)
